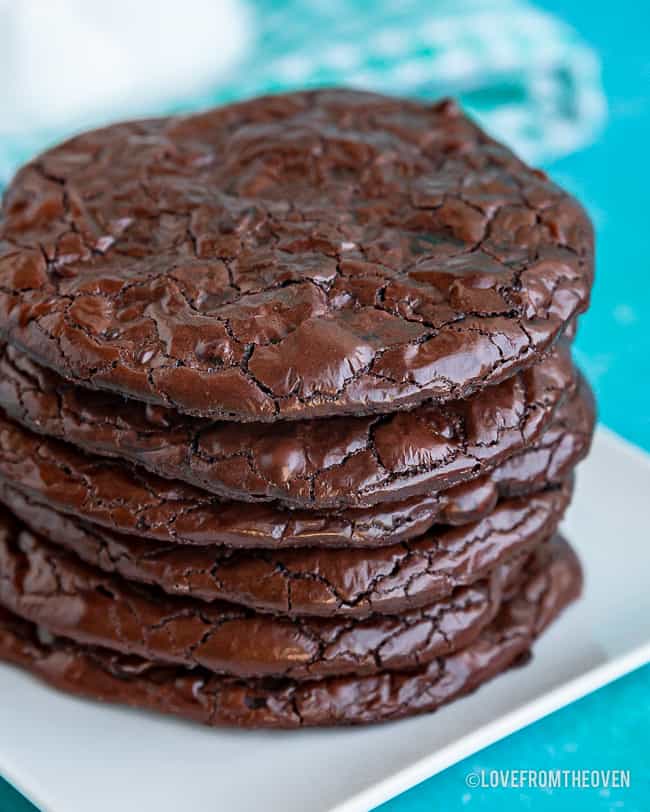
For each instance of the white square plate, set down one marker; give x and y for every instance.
(70, 755)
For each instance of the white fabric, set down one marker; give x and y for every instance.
(68, 62)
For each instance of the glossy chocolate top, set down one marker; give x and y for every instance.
(124, 499)
(311, 254)
(326, 463)
(315, 582)
(554, 579)
(49, 586)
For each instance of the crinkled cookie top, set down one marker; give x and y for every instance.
(310, 254)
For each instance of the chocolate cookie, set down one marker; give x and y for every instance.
(310, 254)
(196, 694)
(48, 586)
(553, 457)
(328, 463)
(297, 462)
(354, 582)
(127, 500)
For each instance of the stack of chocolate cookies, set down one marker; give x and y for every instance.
(289, 417)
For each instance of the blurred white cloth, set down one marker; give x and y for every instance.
(68, 63)
(526, 76)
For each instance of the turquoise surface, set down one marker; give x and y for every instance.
(612, 178)
(608, 729)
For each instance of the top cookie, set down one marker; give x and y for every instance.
(310, 254)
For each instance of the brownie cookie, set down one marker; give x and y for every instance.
(554, 456)
(353, 582)
(127, 500)
(50, 587)
(349, 462)
(323, 464)
(311, 254)
(123, 499)
(196, 694)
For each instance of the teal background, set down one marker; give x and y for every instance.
(608, 729)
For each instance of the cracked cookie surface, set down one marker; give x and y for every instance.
(563, 445)
(49, 586)
(196, 694)
(311, 254)
(124, 499)
(131, 501)
(313, 582)
(327, 463)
